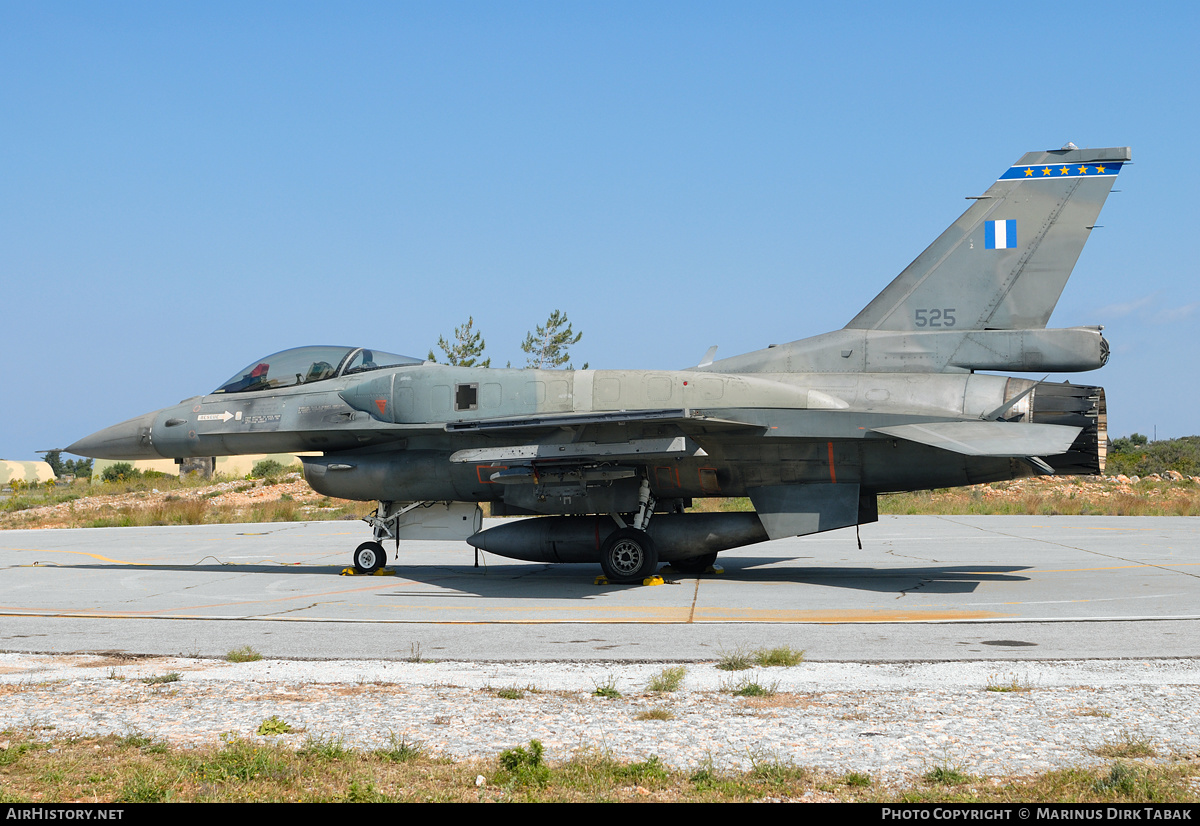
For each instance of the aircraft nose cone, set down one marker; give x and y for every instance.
(128, 440)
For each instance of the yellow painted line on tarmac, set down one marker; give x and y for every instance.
(1162, 566)
(530, 616)
(173, 611)
(80, 553)
(1086, 528)
(837, 615)
(683, 614)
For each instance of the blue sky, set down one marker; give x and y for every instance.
(188, 186)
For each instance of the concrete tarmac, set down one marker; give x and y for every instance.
(921, 588)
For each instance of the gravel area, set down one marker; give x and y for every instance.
(889, 720)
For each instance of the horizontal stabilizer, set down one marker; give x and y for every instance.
(989, 438)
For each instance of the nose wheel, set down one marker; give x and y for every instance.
(369, 558)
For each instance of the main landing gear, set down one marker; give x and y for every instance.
(629, 554)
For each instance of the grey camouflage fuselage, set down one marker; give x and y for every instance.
(811, 431)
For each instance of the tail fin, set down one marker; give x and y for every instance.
(1004, 263)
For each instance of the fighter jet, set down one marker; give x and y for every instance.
(607, 462)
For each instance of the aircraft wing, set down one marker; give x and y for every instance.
(682, 417)
(563, 443)
(543, 451)
(989, 438)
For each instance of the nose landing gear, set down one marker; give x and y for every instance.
(369, 558)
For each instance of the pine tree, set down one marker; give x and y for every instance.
(54, 460)
(81, 468)
(548, 347)
(466, 349)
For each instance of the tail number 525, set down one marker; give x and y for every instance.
(934, 318)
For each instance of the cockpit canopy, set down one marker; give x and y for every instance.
(304, 365)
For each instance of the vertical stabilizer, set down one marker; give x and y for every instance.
(1003, 264)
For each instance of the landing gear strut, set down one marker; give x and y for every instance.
(429, 519)
(369, 557)
(629, 554)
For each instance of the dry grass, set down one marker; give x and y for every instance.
(1052, 496)
(1128, 744)
(746, 687)
(135, 768)
(655, 714)
(1034, 496)
(170, 501)
(740, 659)
(245, 654)
(1012, 685)
(667, 680)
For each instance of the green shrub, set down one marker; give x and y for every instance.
(783, 656)
(525, 767)
(738, 660)
(1138, 456)
(245, 654)
(273, 725)
(669, 679)
(266, 469)
(607, 689)
(401, 750)
(120, 472)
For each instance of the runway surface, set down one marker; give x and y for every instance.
(921, 588)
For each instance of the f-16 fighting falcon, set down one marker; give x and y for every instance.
(607, 462)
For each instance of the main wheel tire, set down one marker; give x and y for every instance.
(628, 555)
(694, 564)
(369, 558)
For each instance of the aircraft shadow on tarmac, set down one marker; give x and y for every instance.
(559, 581)
(938, 579)
(217, 567)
